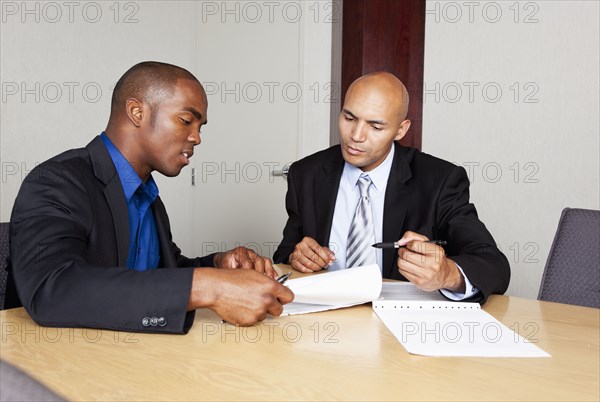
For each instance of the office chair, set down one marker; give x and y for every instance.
(16, 385)
(572, 272)
(4, 252)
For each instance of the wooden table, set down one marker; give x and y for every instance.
(343, 355)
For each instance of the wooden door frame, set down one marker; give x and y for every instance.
(386, 35)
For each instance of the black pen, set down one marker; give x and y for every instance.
(396, 245)
(284, 277)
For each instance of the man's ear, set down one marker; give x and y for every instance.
(135, 111)
(404, 126)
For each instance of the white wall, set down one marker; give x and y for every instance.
(532, 149)
(59, 64)
(60, 60)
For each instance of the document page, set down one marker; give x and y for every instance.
(333, 290)
(406, 291)
(427, 324)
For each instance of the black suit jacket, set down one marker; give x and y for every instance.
(69, 235)
(424, 194)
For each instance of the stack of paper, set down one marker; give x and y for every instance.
(335, 289)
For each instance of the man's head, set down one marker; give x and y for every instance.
(157, 111)
(373, 117)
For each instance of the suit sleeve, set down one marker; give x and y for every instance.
(198, 262)
(292, 232)
(470, 244)
(57, 283)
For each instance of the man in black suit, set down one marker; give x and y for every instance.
(90, 238)
(412, 196)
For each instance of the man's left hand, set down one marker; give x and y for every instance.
(244, 258)
(426, 265)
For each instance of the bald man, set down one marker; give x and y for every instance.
(90, 238)
(369, 189)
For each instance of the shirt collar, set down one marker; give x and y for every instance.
(379, 176)
(127, 174)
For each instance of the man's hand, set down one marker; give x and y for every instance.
(244, 258)
(426, 265)
(240, 297)
(309, 256)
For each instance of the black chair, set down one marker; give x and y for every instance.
(4, 253)
(16, 385)
(572, 273)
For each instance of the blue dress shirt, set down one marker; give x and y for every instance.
(144, 250)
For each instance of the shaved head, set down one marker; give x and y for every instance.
(386, 85)
(149, 82)
(372, 118)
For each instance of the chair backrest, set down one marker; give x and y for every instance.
(4, 253)
(572, 272)
(16, 385)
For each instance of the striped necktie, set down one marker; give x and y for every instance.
(361, 236)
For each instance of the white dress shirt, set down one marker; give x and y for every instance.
(345, 207)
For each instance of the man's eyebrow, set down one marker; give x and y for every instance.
(346, 111)
(193, 111)
(379, 122)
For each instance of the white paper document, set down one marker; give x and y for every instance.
(332, 290)
(427, 324)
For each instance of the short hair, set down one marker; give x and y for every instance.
(148, 81)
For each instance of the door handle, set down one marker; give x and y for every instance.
(283, 172)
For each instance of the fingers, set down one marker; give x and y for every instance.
(424, 264)
(273, 305)
(419, 257)
(226, 259)
(424, 249)
(263, 265)
(415, 273)
(284, 294)
(276, 307)
(269, 269)
(241, 297)
(259, 264)
(309, 256)
(239, 257)
(411, 236)
(281, 295)
(248, 259)
(244, 258)
(413, 276)
(424, 279)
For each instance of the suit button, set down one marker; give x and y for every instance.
(154, 321)
(162, 321)
(146, 321)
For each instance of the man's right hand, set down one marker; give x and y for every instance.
(240, 297)
(309, 256)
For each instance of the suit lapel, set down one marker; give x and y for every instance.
(167, 258)
(105, 171)
(397, 197)
(326, 187)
